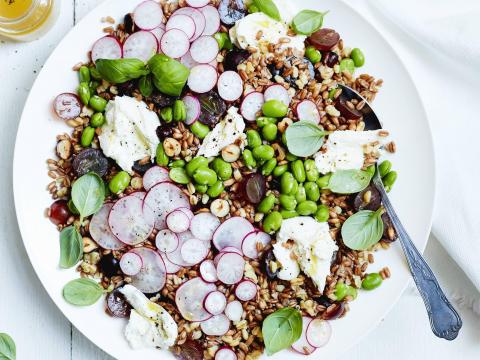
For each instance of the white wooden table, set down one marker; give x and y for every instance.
(41, 331)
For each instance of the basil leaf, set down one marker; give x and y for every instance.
(71, 247)
(269, 8)
(145, 85)
(304, 138)
(306, 22)
(82, 292)
(349, 181)
(281, 329)
(118, 71)
(363, 229)
(8, 350)
(169, 76)
(88, 194)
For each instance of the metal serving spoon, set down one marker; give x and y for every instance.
(444, 319)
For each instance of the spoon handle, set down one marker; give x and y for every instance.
(444, 319)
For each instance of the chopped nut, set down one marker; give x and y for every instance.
(231, 153)
(332, 111)
(284, 124)
(64, 149)
(89, 245)
(172, 147)
(136, 182)
(220, 208)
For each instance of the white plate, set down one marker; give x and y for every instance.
(398, 105)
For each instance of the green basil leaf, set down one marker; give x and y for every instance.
(306, 22)
(8, 351)
(88, 194)
(304, 138)
(82, 292)
(349, 181)
(71, 247)
(269, 8)
(169, 76)
(363, 229)
(145, 85)
(118, 71)
(281, 329)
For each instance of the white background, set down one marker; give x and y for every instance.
(41, 331)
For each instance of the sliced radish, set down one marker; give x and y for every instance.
(234, 310)
(189, 299)
(100, 230)
(232, 232)
(217, 325)
(178, 221)
(176, 256)
(163, 198)
(214, 63)
(148, 15)
(193, 108)
(249, 245)
(139, 194)
(231, 249)
(153, 274)
(213, 19)
(197, 3)
(230, 268)
(158, 32)
(130, 221)
(203, 226)
(153, 176)
(307, 110)
(171, 267)
(182, 22)
(215, 302)
(188, 61)
(208, 272)
(204, 49)
(217, 258)
(202, 78)
(318, 333)
(166, 241)
(246, 290)
(251, 105)
(230, 86)
(131, 263)
(107, 47)
(175, 43)
(193, 251)
(225, 353)
(198, 19)
(67, 106)
(187, 212)
(301, 345)
(140, 45)
(277, 92)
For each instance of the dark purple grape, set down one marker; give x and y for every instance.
(59, 212)
(334, 311)
(191, 350)
(141, 168)
(387, 223)
(254, 188)
(231, 11)
(213, 107)
(129, 25)
(109, 265)
(330, 59)
(164, 131)
(268, 259)
(323, 300)
(162, 100)
(127, 88)
(90, 160)
(117, 305)
(324, 39)
(346, 111)
(373, 204)
(234, 58)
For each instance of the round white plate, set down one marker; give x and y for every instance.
(398, 105)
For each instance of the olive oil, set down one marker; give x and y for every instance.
(12, 9)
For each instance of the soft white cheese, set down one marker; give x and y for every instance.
(129, 132)
(150, 325)
(226, 132)
(345, 150)
(304, 243)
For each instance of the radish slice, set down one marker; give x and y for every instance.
(148, 15)
(107, 47)
(198, 19)
(171, 267)
(158, 32)
(230, 86)
(277, 92)
(197, 3)
(230, 268)
(130, 221)
(234, 310)
(203, 226)
(318, 333)
(202, 78)
(153, 274)
(187, 212)
(217, 325)
(215, 302)
(100, 230)
(153, 176)
(193, 251)
(208, 272)
(176, 256)
(193, 109)
(246, 290)
(175, 43)
(182, 22)
(232, 232)
(140, 45)
(251, 105)
(231, 249)
(301, 345)
(188, 61)
(307, 110)
(131, 263)
(217, 258)
(204, 49)
(139, 194)
(163, 198)
(166, 241)
(189, 299)
(67, 106)
(213, 19)
(249, 245)
(178, 221)
(225, 353)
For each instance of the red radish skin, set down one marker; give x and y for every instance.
(176, 256)
(155, 175)
(170, 267)
(215, 302)
(100, 230)
(251, 241)
(251, 105)
(139, 194)
(202, 78)
(182, 22)
(234, 310)
(204, 225)
(198, 19)
(67, 106)
(230, 268)
(232, 232)
(158, 33)
(231, 249)
(140, 45)
(193, 109)
(131, 263)
(208, 272)
(277, 92)
(302, 346)
(318, 333)
(194, 251)
(148, 15)
(175, 43)
(107, 47)
(246, 290)
(153, 274)
(213, 19)
(187, 212)
(307, 110)
(230, 86)
(197, 3)
(204, 50)
(225, 353)
(189, 299)
(217, 325)
(178, 221)
(188, 61)
(166, 241)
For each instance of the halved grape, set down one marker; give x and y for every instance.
(212, 108)
(231, 11)
(253, 188)
(90, 160)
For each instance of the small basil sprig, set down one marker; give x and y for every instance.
(71, 247)
(8, 350)
(363, 229)
(304, 138)
(281, 329)
(88, 194)
(169, 75)
(145, 85)
(118, 71)
(269, 8)
(306, 22)
(82, 292)
(349, 181)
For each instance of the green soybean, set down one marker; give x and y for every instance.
(222, 168)
(269, 166)
(300, 194)
(87, 136)
(357, 57)
(84, 74)
(272, 222)
(341, 290)
(195, 163)
(266, 204)
(263, 120)
(323, 181)
(248, 159)
(372, 281)
(312, 190)
(177, 164)
(179, 175)
(274, 108)
(287, 183)
(306, 207)
(280, 170)
(97, 103)
(253, 138)
(205, 176)
(284, 138)
(83, 91)
(352, 292)
(288, 214)
(216, 189)
(291, 157)
(179, 111)
(119, 182)
(295, 188)
(161, 157)
(347, 65)
(93, 85)
(384, 168)
(263, 152)
(288, 202)
(201, 189)
(298, 171)
(322, 214)
(269, 132)
(97, 120)
(167, 114)
(311, 170)
(390, 178)
(313, 54)
(200, 130)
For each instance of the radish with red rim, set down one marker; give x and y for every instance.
(187, 212)
(204, 49)
(178, 221)
(230, 86)
(100, 230)
(208, 272)
(251, 105)
(232, 232)
(318, 332)
(215, 302)
(176, 256)
(197, 3)
(193, 109)
(203, 226)
(246, 290)
(230, 268)
(225, 353)
(166, 241)
(302, 346)
(131, 263)
(188, 61)
(140, 45)
(307, 110)
(231, 249)
(277, 92)
(198, 19)
(153, 176)
(148, 15)
(189, 299)
(249, 244)
(202, 78)
(107, 47)
(175, 43)
(153, 274)
(193, 251)
(181, 22)
(67, 106)
(234, 310)
(139, 194)
(213, 19)
(217, 325)
(170, 267)
(158, 33)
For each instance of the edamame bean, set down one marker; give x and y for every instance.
(280, 170)
(201, 189)
(119, 182)
(272, 222)
(97, 120)
(300, 194)
(347, 65)
(248, 159)
(306, 207)
(269, 132)
(263, 152)
(83, 91)
(352, 292)
(322, 214)
(311, 170)
(196, 163)
(216, 189)
(222, 168)
(179, 111)
(287, 183)
(288, 202)
(274, 108)
(332, 92)
(93, 85)
(288, 214)
(390, 178)
(200, 130)
(291, 157)
(269, 166)
(284, 138)
(87, 136)
(372, 281)
(252, 8)
(161, 157)
(263, 120)
(298, 171)
(97, 103)
(384, 168)
(266, 204)
(357, 57)
(323, 181)
(253, 139)
(312, 191)
(205, 176)
(341, 290)
(295, 187)
(167, 114)
(177, 164)
(179, 175)
(84, 74)
(313, 54)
